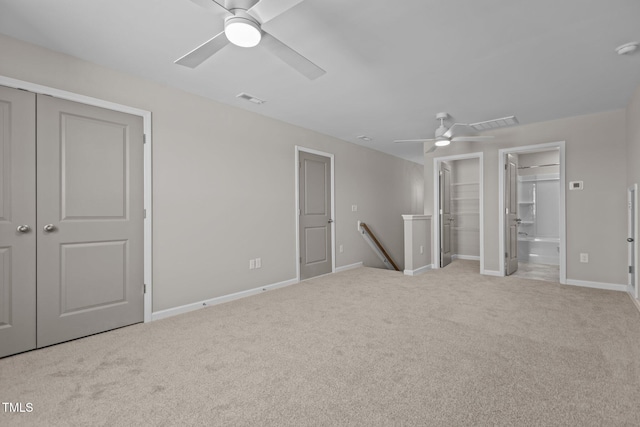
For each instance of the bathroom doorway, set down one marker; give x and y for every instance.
(532, 223)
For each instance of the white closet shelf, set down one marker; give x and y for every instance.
(539, 239)
(535, 178)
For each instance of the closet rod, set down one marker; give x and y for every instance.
(538, 166)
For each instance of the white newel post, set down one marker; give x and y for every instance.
(417, 244)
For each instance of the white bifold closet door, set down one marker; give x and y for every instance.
(77, 269)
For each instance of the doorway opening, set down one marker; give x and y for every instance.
(458, 209)
(532, 236)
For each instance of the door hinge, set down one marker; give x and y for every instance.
(630, 269)
(506, 255)
(144, 288)
(505, 167)
(144, 138)
(144, 213)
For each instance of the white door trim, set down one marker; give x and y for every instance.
(297, 206)
(560, 145)
(146, 119)
(435, 219)
(633, 189)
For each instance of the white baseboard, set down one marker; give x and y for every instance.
(418, 270)
(467, 257)
(162, 314)
(635, 301)
(492, 273)
(597, 285)
(349, 267)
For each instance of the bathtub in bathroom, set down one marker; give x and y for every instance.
(539, 250)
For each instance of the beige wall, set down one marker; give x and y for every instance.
(596, 216)
(223, 182)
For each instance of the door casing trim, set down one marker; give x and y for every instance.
(560, 145)
(148, 202)
(436, 204)
(633, 189)
(297, 206)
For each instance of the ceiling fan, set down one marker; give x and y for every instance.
(462, 132)
(243, 27)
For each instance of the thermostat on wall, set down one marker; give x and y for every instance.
(576, 185)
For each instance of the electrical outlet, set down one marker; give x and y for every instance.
(421, 249)
(584, 257)
(341, 248)
(258, 262)
(354, 208)
(252, 264)
(576, 185)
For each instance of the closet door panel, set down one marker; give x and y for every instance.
(17, 221)
(90, 220)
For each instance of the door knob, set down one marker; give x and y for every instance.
(330, 221)
(23, 229)
(49, 228)
(630, 239)
(518, 220)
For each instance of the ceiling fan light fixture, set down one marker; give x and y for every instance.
(442, 142)
(242, 32)
(627, 48)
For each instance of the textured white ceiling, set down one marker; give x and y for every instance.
(391, 65)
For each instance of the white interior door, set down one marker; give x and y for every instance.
(511, 214)
(446, 218)
(315, 215)
(17, 221)
(632, 239)
(89, 220)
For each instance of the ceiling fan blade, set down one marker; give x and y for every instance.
(472, 138)
(291, 57)
(432, 149)
(265, 10)
(413, 140)
(203, 52)
(459, 128)
(212, 5)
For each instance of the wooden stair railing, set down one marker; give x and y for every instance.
(366, 228)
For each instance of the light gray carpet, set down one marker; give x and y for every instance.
(363, 347)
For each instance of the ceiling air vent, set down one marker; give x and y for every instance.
(250, 98)
(495, 124)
